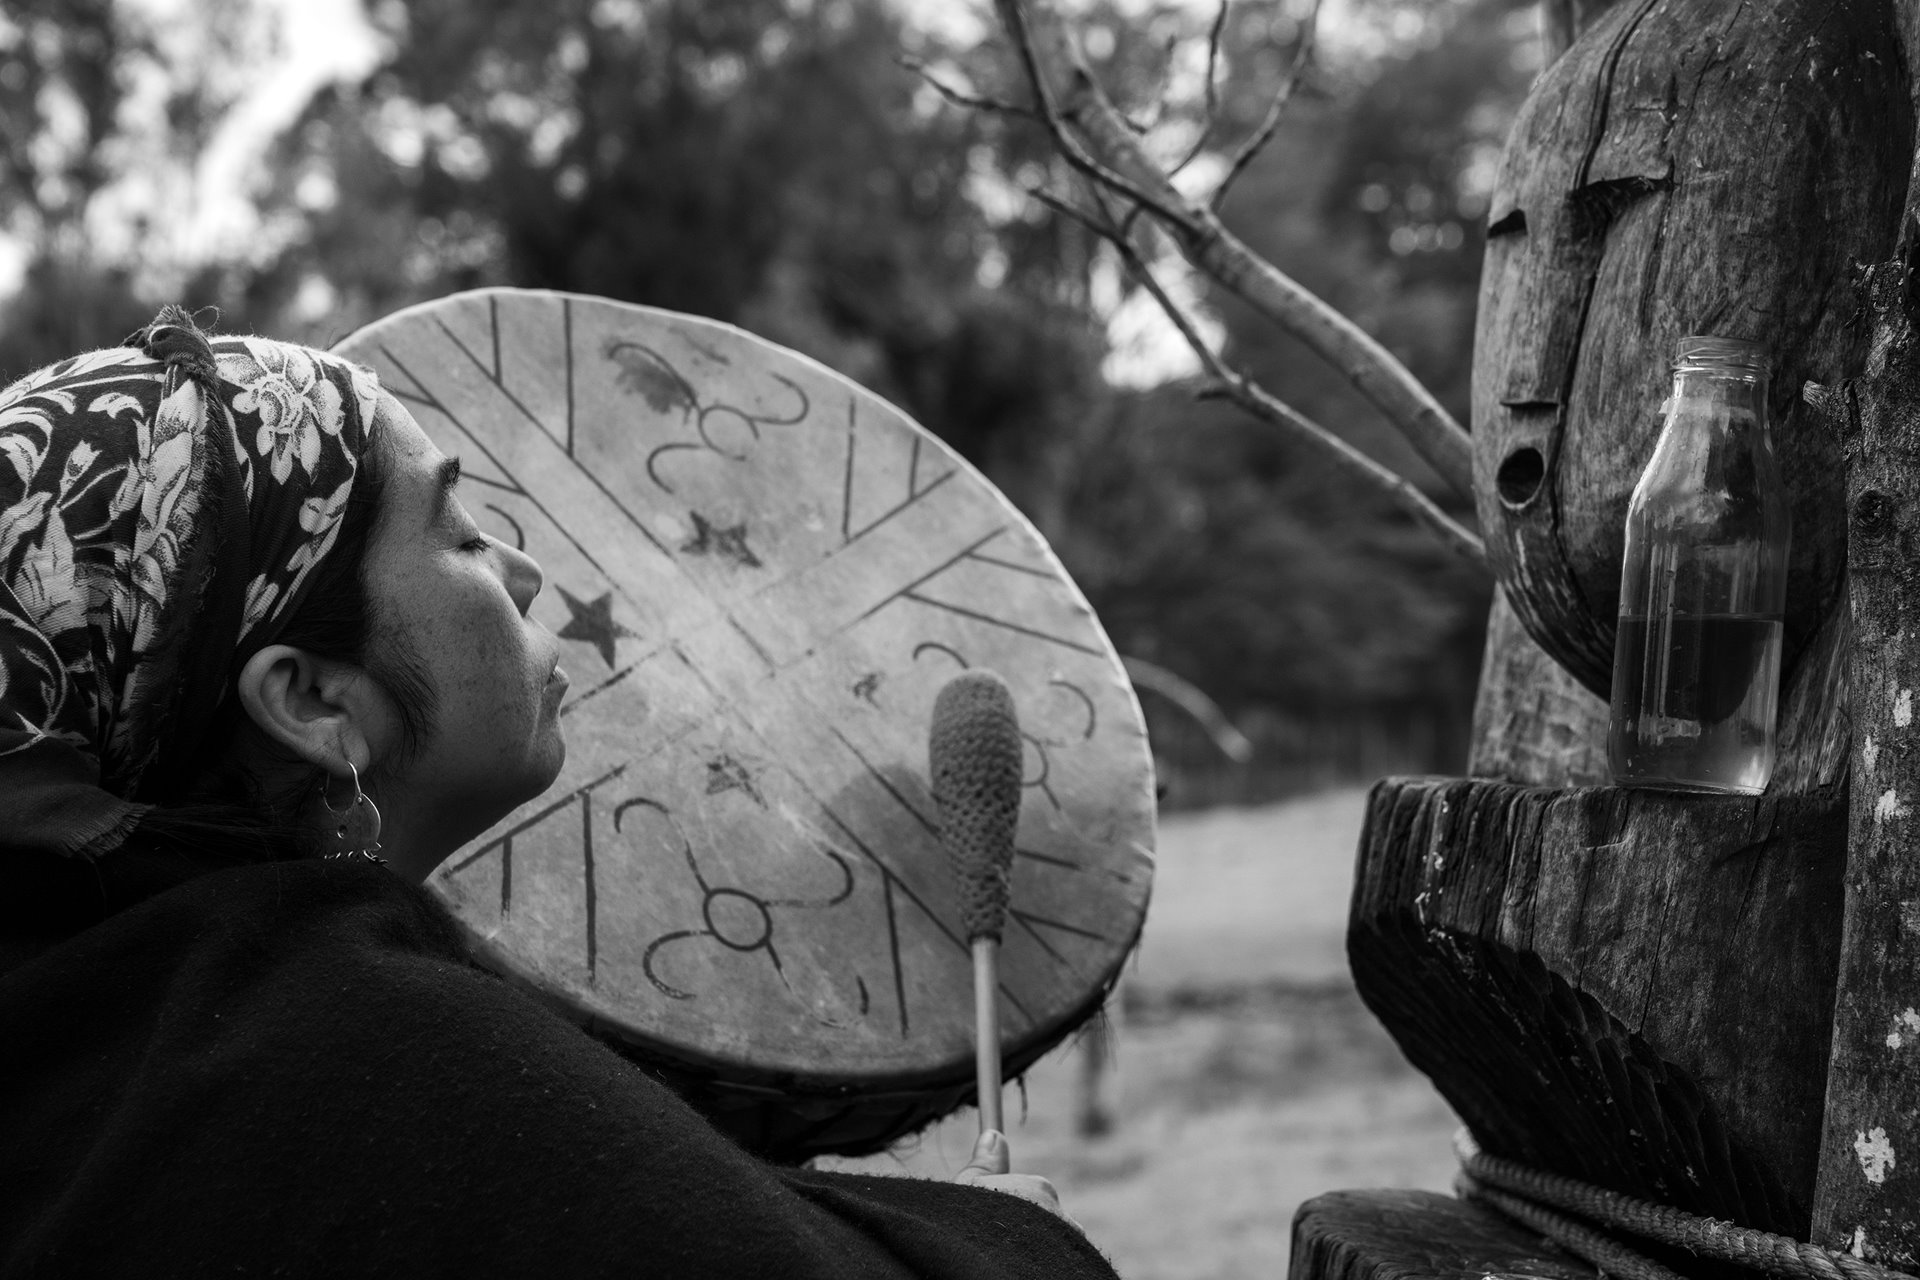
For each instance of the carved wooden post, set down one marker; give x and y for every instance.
(1633, 988)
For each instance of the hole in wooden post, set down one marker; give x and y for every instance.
(1873, 515)
(1520, 475)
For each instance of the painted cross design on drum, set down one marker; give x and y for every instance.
(761, 575)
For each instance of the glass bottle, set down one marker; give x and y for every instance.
(1696, 665)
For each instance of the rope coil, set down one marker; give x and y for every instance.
(1522, 1193)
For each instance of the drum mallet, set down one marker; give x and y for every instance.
(974, 755)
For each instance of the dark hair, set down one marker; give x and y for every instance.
(230, 817)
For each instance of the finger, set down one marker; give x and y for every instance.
(990, 1156)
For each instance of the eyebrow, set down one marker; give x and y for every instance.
(447, 477)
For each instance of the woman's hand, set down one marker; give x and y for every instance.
(988, 1168)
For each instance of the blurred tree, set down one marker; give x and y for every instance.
(765, 162)
(1205, 544)
(772, 163)
(62, 84)
(105, 109)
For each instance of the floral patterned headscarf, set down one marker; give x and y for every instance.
(162, 507)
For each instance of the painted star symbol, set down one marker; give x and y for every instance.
(728, 774)
(593, 623)
(730, 542)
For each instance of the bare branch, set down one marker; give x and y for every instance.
(1015, 14)
(1253, 146)
(1187, 696)
(958, 97)
(1212, 115)
(1213, 58)
(1062, 205)
(1257, 400)
(1096, 142)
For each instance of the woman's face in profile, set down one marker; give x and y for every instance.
(453, 601)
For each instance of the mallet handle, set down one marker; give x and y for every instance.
(986, 1030)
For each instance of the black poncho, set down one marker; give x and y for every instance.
(291, 1070)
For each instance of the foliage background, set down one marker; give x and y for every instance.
(789, 166)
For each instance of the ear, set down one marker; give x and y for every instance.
(315, 708)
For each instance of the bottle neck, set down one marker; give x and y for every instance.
(1733, 398)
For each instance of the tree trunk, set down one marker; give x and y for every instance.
(1869, 1190)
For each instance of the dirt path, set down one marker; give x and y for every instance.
(1251, 1077)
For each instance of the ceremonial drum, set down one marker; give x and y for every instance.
(761, 576)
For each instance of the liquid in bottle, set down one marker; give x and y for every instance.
(1696, 674)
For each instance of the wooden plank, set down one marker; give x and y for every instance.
(1630, 988)
(1400, 1235)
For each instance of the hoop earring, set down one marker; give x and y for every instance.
(356, 829)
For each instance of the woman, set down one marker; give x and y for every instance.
(259, 674)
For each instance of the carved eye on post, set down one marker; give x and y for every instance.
(1511, 223)
(1596, 206)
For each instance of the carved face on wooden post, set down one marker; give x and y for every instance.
(1689, 166)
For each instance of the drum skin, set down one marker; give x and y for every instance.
(761, 576)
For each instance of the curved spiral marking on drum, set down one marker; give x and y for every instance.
(646, 964)
(1093, 715)
(846, 885)
(710, 893)
(654, 457)
(664, 388)
(1046, 767)
(686, 846)
(935, 645)
(1080, 735)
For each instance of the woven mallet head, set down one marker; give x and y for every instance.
(974, 757)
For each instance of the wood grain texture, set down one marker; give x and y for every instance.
(1698, 166)
(1869, 1187)
(1630, 988)
(1564, 21)
(1417, 1235)
(761, 576)
(1533, 723)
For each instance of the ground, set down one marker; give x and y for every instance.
(1250, 1075)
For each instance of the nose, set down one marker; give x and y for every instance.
(523, 576)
